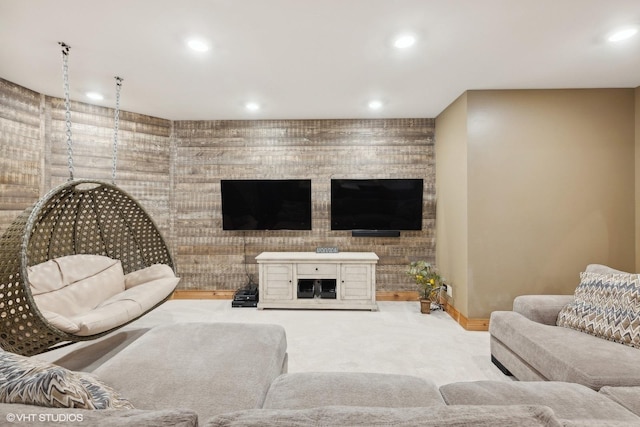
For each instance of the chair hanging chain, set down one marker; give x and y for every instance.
(67, 105)
(115, 129)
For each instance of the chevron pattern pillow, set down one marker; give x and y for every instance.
(34, 382)
(607, 306)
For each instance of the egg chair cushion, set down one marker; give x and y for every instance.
(148, 274)
(124, 307)
(75, 284)
(89, 294)
(60, 322)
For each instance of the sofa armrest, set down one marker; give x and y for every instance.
(541, 308)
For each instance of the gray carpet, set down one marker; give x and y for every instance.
(395, 339)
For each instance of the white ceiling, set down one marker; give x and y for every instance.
(313, 59)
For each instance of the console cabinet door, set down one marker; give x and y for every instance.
(277, 282)
(355, 281)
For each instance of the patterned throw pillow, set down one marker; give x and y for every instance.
(607, 306)
(34, 382)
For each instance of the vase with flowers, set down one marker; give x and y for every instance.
(429, 281)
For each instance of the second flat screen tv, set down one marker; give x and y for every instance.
(266, 204)
(376, 204)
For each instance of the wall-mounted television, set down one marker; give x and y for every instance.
(266, 204)
(376, 204)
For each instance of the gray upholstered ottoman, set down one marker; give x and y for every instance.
(316, 389)
(210, 368)
(569, 401)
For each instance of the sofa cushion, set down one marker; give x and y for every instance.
(41, 416)
(562, 354)
(35, 382)
(629, 397)
(207, 367)
(314, 389)
(568, 401)
(75, 284)
(459, 416)
(606, 306)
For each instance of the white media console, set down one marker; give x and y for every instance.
(345, 280)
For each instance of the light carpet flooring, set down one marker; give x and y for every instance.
(395, 339)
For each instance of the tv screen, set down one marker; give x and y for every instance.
(263, 204)
(376, 204)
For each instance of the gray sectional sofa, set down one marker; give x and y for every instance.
(226, 374)
(528, 344)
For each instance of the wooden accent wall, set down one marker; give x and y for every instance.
(34, 152)
(207, 151)
(143, 154)
(174, 170)
(21, 150)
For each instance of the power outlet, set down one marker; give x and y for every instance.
(449, 290)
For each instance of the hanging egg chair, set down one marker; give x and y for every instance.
(85, 260)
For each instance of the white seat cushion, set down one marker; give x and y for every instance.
(124, 306)
(60, 322)
(80, 285)
(151, 293)
(147, 274)
(86, 294)
(106, 317)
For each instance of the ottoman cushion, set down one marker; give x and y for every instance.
(206, 367)
(568, 401)
(314, 389)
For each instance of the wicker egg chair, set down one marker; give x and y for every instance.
(78, 217)
(82, 216)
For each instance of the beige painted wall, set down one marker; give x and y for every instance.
(451, 196)
(550, 189)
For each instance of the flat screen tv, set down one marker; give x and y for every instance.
(266, 204)
(376, 204)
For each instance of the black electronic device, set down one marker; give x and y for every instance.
(244, 303)
(376, 207)
(247, 297)
(266, 204)
(375, 233)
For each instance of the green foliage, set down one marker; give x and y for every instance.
(426, 277)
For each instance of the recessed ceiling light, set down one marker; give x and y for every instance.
(375, 104)
(198, 45)
(404, 41)
(95, 96)
(622, 34)
(252, 106)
